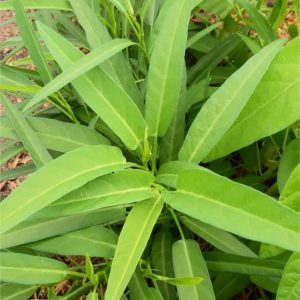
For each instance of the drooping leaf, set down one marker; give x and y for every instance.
(11, 152)
(224, 106)
(132, 242)
(166, 64)
(56, 179)
(212, 200)
(95, 241)
(37, 228)
(278, 88)
(99, 91)
(31, 142)
(28, 269)
(188, 262)
(80, 67)
(289, 287)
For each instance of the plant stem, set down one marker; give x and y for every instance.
(177, 222)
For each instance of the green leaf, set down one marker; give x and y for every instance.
(168, 173)
(97, 34)
(92, 296)
(196, 37)
(57, 135)
(139, 289)
(278, 88)
(37, 228)
(8, 154)
(28, 269)
(221, 239)
(173, 139)
(132, 242)
(289, 160)
(224, 106)
(56, 179)
(166, 65)
(216, 55)
(80, 67)
(14, 291)
(227, 285)
(31, 142)
(260, 23)
(290, 195)
(188, 262)
(221, 262)
(30, 39)
(212, 200)
(161, 257)
(17, 172)
(289, 287)
(124, 187)
(99, 91)
(40, 4)
(96, 241)
(16, 80)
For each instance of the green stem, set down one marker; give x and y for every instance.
(177, 222)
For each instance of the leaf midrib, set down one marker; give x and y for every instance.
(220, 203)
(53, 187)
(133, 249)
(227, 104)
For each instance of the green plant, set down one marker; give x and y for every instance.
(160, 129)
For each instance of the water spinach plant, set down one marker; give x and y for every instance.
(164, 138)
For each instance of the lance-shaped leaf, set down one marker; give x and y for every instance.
(122, 187)
(289, 287)
(188, 262)
(40, 4)
(161, 255)
(288, 162)
(57, 135)
(99, 91)
(30, 39)
(224, 106)
(278, 88)
(56, 179)
(96, 35)
(290, 195)
(227, 285)
(14, 291)
(37, 228)
(81, 66)
(259, 22)
(28, 269)
(95, 241)
(33, 145)
(221, 239)
(166, 64)
(132, 242)
(139, 289)
(234, 207)
(221, 262)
